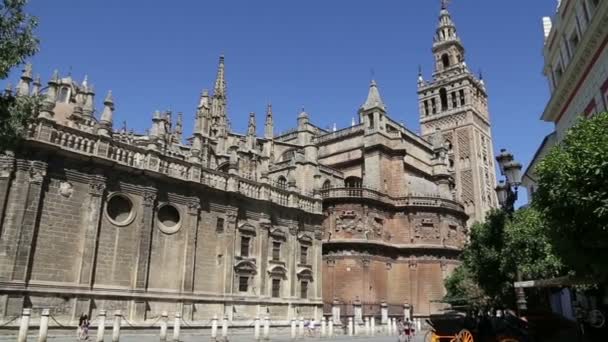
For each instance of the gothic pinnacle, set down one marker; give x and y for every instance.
(23, 88)
(373, 98)
(220, 81)
(105, 122)
(269, 124)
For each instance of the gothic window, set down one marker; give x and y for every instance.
(276, 251)
(245, 240)
(426, 107)
(443, 94)
(243, 284)
(433, 106)
(276, 288)
(352, 182)
(304, 289)
(304, 255)
(445, 59)
(282, 182)
(454, 99)
(371, 120)
(64, 95)
(326, 185)
(449, 144)
(462, 98)
(451, 163)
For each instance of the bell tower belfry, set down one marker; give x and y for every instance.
(455, 103)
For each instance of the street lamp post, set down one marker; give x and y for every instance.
(506, 192)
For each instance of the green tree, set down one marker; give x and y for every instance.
(17, 40)
(497, 248)
(573, 197)
(17, 43)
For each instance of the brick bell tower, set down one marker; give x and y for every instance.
(455, 104)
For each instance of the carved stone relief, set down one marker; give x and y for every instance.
(427, 229)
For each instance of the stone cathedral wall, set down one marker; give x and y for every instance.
(78, 236)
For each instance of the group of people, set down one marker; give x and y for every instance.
(406, 330)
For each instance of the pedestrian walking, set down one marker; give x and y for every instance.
(408, 330)
(400, 331)
(83, 327)
(311, 327)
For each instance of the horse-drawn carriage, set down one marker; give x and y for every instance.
(459, 327)
(456, 327)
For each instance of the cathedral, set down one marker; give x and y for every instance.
(372, 216)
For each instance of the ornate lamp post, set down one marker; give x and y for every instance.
(507, 195)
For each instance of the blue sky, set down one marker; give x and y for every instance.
(314, 54)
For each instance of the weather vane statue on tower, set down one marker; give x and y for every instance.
(445, 3)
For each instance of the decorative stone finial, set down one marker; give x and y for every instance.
(105, 122)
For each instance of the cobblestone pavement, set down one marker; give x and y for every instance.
(204, 337)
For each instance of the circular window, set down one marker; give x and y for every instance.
(119, 210)
(169, 219)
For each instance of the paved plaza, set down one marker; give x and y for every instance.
(65, 336)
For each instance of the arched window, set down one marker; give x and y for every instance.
(443, 94)
(282, 182)
(64, 95)
(326, 185)
(445, 59)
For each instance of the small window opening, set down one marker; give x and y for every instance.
(245, 246)
(243, 284)
(445, 59)
(443, 94)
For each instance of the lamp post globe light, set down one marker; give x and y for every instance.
(506, 192)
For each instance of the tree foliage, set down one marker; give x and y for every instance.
(573, 197)
(17, 43)
(15, 114)
(17, 40)
(497, 249)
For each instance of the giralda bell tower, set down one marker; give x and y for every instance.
(454, 104)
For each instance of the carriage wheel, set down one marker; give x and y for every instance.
(464, 336)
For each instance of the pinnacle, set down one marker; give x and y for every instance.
(374, 100)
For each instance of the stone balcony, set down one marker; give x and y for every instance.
(413, 200)
(104, 150)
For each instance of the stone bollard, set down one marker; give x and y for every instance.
(355, 327)
(116, 326)
(367, 333)
(256, 329)
(214, 328)
(164, 316)
(350, 326)
(323, 326)
(373, 326)
(293, 329)
(388, 327)
(176, 327)
(266, 328)
(225, 329)
(24, 325)
(331, 328)
(44, 325)
(301, 327)
(101, 325)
